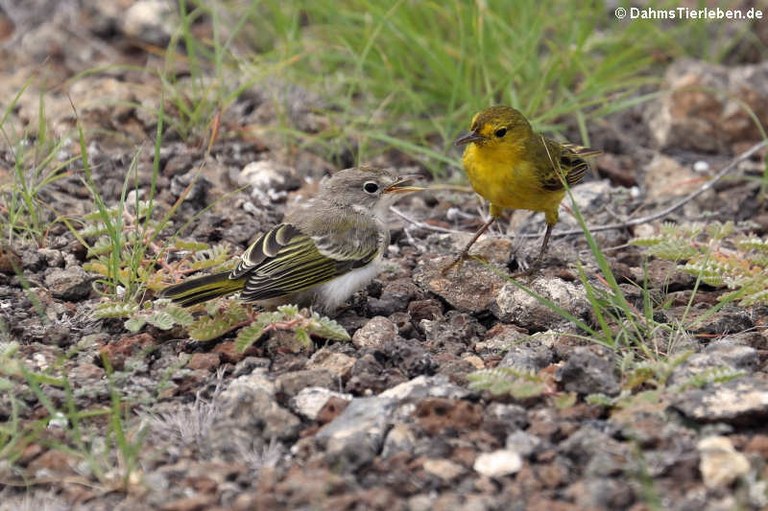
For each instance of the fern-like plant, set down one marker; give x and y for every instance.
(519, 383)
(718, 255)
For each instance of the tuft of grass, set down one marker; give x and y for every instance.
(191, 424)
(97, 437)
(409, 75)
(36, 164)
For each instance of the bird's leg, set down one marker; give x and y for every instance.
(540, 258)
(544, 244)
(465, 251)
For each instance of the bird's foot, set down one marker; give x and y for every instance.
(458, 262)
(520, 267)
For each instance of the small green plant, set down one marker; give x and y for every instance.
(98, 437)
(24, 209)
(717, 255)
(303, 324)
(226, 315)
(519, 383)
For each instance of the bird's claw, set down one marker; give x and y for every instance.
(526, 269)
(459, 261)
(456, 263)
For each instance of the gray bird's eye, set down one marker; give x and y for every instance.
(371, 187)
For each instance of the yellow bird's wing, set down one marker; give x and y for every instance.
(570, 158)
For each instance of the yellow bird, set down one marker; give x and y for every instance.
(513, 167)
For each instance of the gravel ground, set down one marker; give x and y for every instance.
(388, 420)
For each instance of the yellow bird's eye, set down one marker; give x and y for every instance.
(371, 187)
(500, 132)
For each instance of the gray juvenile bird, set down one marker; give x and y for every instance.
(326, 249)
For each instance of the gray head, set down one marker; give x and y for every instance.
(371, 188)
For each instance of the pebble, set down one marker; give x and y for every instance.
(375, 334)
(498, 463)
(355, 437)
(425, 386)
(721, 464)
(71, 284)
(470, 288)
(338, 364)
(589, 370)
(291, 383)
(514, 305)
(446, 470)
(311, 400)
(743, 401)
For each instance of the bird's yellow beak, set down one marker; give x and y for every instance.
(468, 138)
(402, 185)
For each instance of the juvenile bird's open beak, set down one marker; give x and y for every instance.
(467, 138)
(402, 185)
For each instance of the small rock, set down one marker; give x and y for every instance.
(86, 371)
(204, 361)
(469, 288)
(311, 400)
(249, 365)
(732, 352)
(456, 333)
(400, 438)
(411, 358)
(395, 296)
(356, 436)
(375, 334)
(741, 402)
(604, 493)
(499, 339)
(447, 416)
(720, 463)
(703, 109)
(249, 418)
(369, 376)
(196, 502)
(332, 409)
(718, 355)
(338, 364)
(71, 284)
(475, 361)
(429, 309)
(446, 470)
(425, 386)
(291, 383)
(725, 322)
(757, 445)
(665, 275)
(492, 249)
(126, 347)
(589, 370)
(54, 258)
(665, 177)
(498, 463)
(522, 443)
(151, 21)
(268, 180)
(229, 353)
(530, 355)
(510, 416)
(51, 464)
(513, 305)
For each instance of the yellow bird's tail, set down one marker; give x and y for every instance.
(194, 291)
